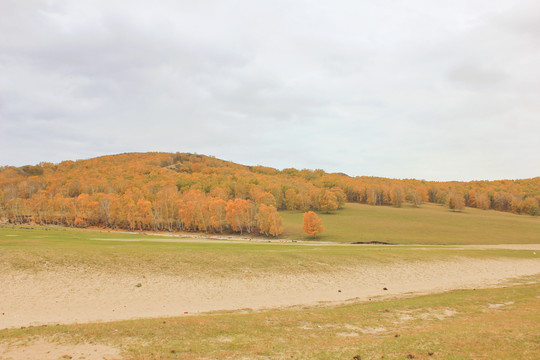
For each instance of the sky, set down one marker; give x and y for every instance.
(434, 90)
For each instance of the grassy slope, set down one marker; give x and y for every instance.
(461, 324)
(40, 248)
(428, 224)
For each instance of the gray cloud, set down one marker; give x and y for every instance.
(395, 88)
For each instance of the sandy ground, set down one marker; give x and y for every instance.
(45, 350)
(77, 296)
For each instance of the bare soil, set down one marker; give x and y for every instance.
(45, 350)
(77, 295)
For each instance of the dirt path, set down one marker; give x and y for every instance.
(235, 240)
(75, 295)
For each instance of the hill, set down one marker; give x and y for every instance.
(190, 192)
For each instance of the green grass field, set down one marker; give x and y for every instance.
(41, 248)
(428, 224)
(466, 324)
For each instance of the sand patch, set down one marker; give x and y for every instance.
(439, 314)
(534, 247)
(77, 295)
(497, 306)
(44, 350)
(372, 330)
(347, 334)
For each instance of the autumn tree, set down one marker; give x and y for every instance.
(455, 201)
(481, 200)
(304, 200)
(193, 211)
(516, 204)
(291, 199)
(220, 192)
(166, 209)
(312, 223)
(413, 197)
(328, 201)
(341, 197)
(269, 221)
(218, 214)
(241, 215)
(503, 201)
(531, 206)
(143, 214)
(396, 196)
(373, 196)
(264, 197)
(104, 208)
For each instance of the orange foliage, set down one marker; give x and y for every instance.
(291, 199)
(312, 223)
(241, 215)
(80, 223)
(171, 192)
(455, 201)
(269, 221)
(328, 201)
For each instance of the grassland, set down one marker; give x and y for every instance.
(466, 324)
(500, 323)
(43, 248)
(429, 224)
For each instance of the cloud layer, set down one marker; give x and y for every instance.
(392, 88)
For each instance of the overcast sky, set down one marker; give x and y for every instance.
(435, 90)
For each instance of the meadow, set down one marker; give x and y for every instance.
(499, 322)
(38, 248)
(429, 224)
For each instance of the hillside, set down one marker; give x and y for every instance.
(189, 192)
(429, 224)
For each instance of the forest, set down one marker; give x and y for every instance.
(191, 192)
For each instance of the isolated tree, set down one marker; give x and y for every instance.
(312, 223)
